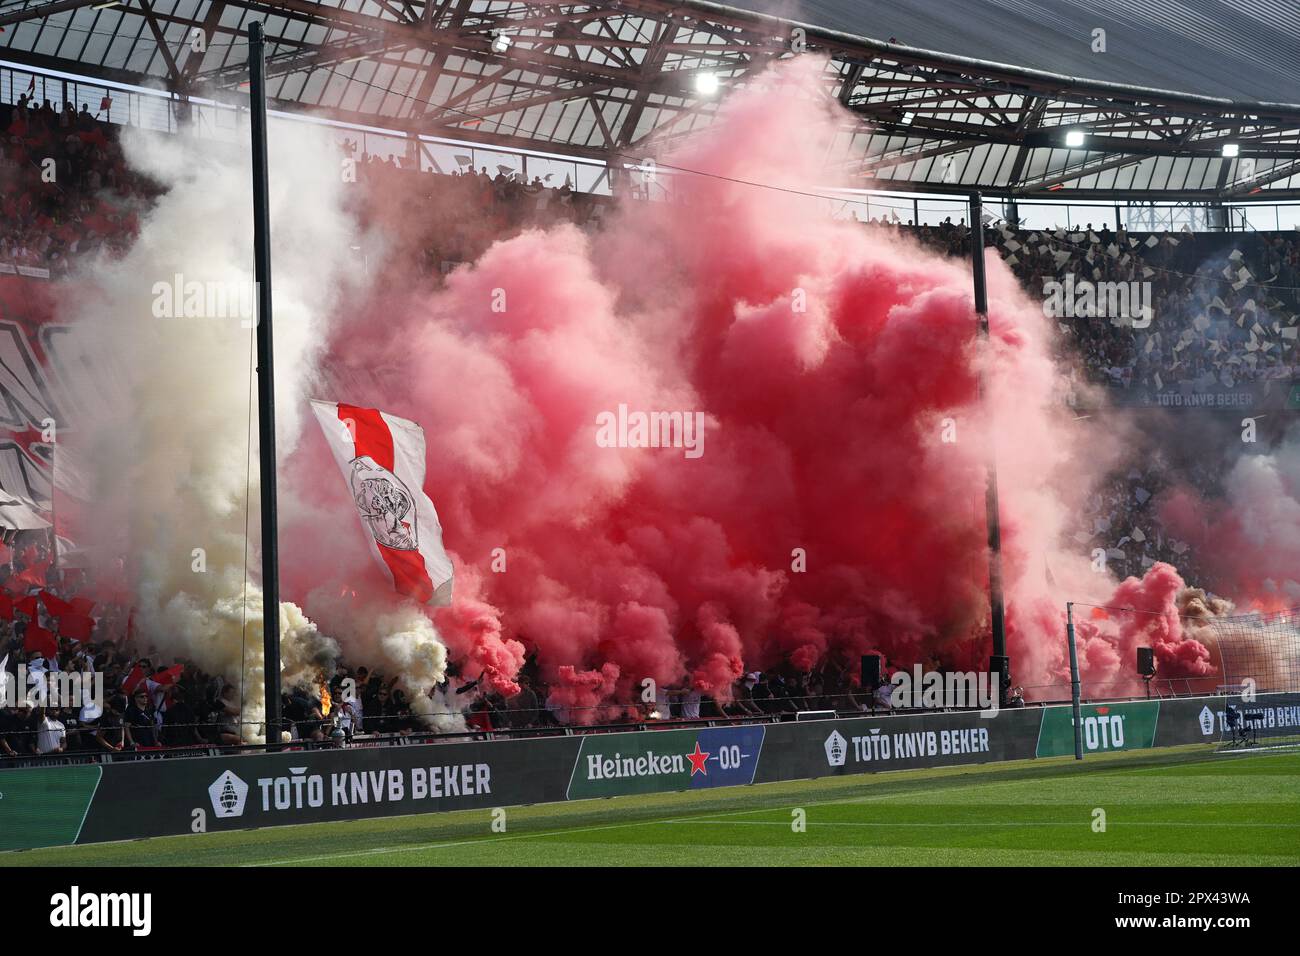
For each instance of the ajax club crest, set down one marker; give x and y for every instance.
(385, 505)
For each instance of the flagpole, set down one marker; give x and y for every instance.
(54, 497)
(265, 385)
(992, 512)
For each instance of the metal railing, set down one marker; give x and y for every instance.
(162, 111)
(866, 707)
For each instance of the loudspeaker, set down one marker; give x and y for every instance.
(871, 670)
(1146, 662)
(1001, 664)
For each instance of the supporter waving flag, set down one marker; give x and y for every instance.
(166, 677)
(56, 606)
(76, 627)
(381, 457)
(40, 641)
(132, 679)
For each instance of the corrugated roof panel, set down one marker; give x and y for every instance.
(1253, 45)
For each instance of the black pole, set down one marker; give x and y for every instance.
(265, 385)
(1074, 682)
(991, 510)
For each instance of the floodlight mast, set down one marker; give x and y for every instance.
(992, 512)
(265, 384)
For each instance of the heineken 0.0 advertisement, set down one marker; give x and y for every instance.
(664, 760)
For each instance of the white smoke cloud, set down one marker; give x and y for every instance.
(1263, 491)
(401, 643)
(165, 438)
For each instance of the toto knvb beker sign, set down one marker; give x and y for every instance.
(898, 742)
(879, 746)
(301, 789)
(220, 793)
(1206, 720)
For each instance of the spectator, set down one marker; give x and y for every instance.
(690, 704)
(17, 727)
(110, 729)
(141, 720)
(51, 736)
(742, 703)
(228, 712)
(180, 724)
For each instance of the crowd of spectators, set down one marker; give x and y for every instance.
(1224, 310)
(1121, 519)
(452, 218)
(785, 689)
(1224, 313)
(131, 700)
(66, 191)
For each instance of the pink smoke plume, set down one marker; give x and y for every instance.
(1250, 538)
(1151, 612)
(838, 506)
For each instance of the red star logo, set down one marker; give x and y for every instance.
(697, 761)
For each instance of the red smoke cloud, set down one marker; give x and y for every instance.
(1250, 539)
(838, 505)
(1108, 640)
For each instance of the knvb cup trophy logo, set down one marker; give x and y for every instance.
(1207, 721)
(228, 793)
(836, 749)
(385, 504)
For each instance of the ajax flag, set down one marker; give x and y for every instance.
(382, 460)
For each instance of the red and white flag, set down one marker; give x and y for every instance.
(382, 460)
(132, 680)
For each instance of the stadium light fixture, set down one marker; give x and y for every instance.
(1230, 150)
(907, 118)
(706, 84)
(1074, 138)
(500, 43)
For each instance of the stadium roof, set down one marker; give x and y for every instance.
(1237, 49)
(984, 110)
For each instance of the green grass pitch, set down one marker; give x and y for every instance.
(1184, 806)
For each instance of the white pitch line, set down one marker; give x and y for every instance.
(1040, 823)
(1257, 750)
(524, 836)
(439, 846)
(542, 833)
